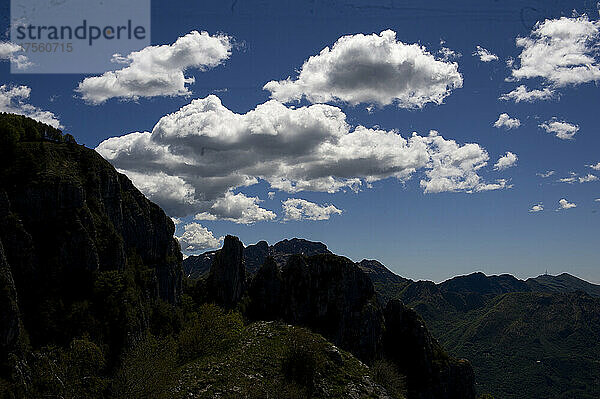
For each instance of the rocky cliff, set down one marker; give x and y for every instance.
(255, 255)
(68, 218)
(430, 373)
(227, 276)
(327, 293)
(335, 297)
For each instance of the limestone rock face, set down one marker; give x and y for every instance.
(66, 215)
(196, 266)
(335, 297)
(326, 293)
(227, 276)
(430, 373)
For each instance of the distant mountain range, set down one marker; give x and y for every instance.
(534, 338)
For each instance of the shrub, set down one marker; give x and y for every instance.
(148, 370)
(211, 332)
(74, 372)
(300, 361)
(386, 374)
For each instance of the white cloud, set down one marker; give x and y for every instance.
(194, 159)
(453, 167)
(447, 54)
(196, 237)
(299, 209)
(8, 51)
(485, 55)
(595, 167)
(505, 121)
(12, 100)
(597, 200)
(588, 178)
(564, 204)
(537, 208)
(271, 194)
(571, 179)
(237, 208)
(157, 70)
(371, 69)
(546, 174)
(506, 161)
(560, 51)
(521, 93)
(562, 130)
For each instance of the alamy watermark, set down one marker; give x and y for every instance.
(77, 36)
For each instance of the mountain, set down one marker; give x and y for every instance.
(335, 297)
(531, 344)
(255, 255)
(534, 338)
(562, 283)
(385, 281)
(67, 219)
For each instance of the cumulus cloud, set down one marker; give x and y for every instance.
(546, 174)
(13, 100)
(453, 167)
(299, 209)
(371, 69)
(485, 55)
(237, 208)
(157, 70)
(595, 167)
(506, 161)
(196, 158)
(561, 51)
(196, 238)
(505, 121)
(537, 208)
(522, 93)
(271, 194)
(564, 204)
(597, 200)
(563, 130)
(9, 51)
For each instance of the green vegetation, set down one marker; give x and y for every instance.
(275, 360)
(214, 354)
(521, 344)
(530, 345)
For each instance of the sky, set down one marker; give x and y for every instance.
(438, 139)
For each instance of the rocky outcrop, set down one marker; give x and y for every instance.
(227, 276)
(326, 293)
(67, 215)
(335, 297)
(196, 266)
(430, 373)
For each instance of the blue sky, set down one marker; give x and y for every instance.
(416, 234)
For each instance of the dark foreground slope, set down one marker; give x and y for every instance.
(536, 338)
